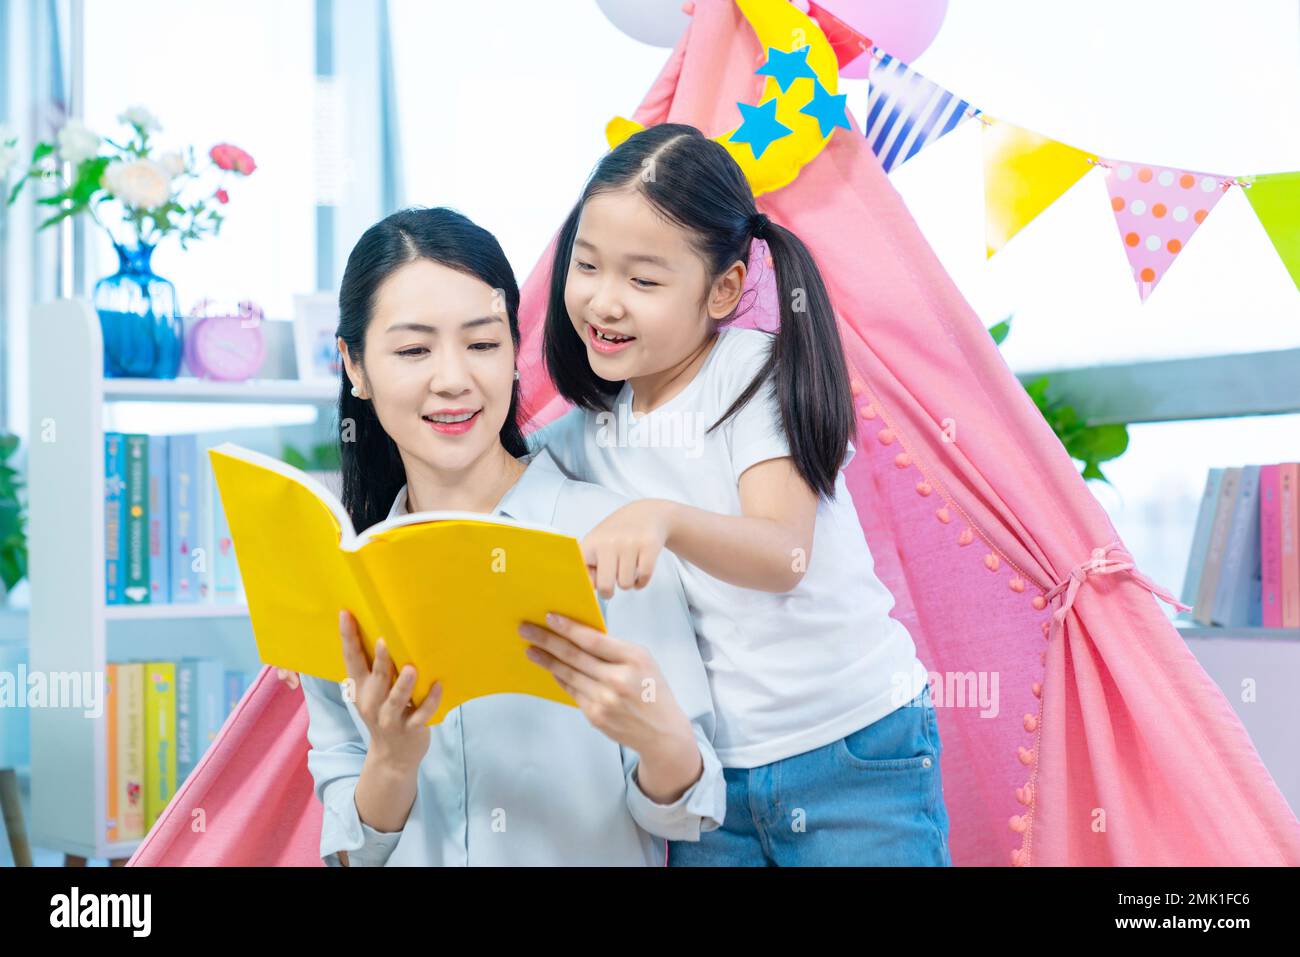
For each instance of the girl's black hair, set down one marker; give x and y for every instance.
(694, 182)
(372, 467)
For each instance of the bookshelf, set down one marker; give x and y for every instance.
(1243, 633)
(71, 629)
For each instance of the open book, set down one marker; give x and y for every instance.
(446, 591)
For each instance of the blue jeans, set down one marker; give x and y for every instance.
(872, 798)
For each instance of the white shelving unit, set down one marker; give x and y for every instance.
(69, 621)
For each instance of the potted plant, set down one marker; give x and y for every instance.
(139, 194)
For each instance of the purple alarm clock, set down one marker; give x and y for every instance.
(228, 348)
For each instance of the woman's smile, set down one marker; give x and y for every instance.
(452, 421)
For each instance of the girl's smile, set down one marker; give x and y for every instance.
(606, 341)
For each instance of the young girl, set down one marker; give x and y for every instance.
(734, 443)
(428, 331)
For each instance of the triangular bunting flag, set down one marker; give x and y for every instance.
(1275, 198)
(906, 112)
(1024, 173)
(1157, 210)
(847, 43)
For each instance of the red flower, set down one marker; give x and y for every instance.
(222, 196)
(230, 157)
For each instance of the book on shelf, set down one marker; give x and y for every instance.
(1201, 539)
(114, 481)
(1243, 569)
(447, 591)
(1221, 525)
(160, 718)
(1235, 595)
(1288, 503)
(166, 539)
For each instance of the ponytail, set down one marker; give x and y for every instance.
(806, 365)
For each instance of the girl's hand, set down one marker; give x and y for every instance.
(621, 691)
(623, 548)
(399, 733)
(288, 677)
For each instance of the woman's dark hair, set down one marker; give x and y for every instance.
(698, 186)
(372, 468)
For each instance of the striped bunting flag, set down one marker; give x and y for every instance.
(906, 112)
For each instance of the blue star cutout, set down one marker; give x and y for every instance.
(828, 109)
(785, 68)
(760, 127)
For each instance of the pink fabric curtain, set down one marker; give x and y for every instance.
(1077, 727)
(249, 802)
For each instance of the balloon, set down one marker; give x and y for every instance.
(659, 23)
(901, 29)
(776, 23)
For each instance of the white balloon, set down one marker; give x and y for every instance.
(659, 23)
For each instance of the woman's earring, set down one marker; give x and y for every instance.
(516, 375)
(355, 393)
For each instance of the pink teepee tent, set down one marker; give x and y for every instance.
(1078, 729)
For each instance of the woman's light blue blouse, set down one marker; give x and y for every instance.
(516, 780)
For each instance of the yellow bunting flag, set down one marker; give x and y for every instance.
(1024, 173)
(1275, 198)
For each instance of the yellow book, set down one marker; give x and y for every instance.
(159, 738)
(110, 725)
(129, 690)
(446, 591)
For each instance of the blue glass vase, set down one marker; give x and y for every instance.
(143, 329)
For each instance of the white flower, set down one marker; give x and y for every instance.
(139, 116)
(173, 163)
(139, 183)
(77, 143)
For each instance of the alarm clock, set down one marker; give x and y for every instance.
(228, 348)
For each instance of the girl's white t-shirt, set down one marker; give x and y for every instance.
(789, 672)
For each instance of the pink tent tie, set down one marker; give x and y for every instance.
(1101, 565)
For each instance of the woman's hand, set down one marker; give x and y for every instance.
(621, 691)
(399, 732)
(290, 678)
(623, 548)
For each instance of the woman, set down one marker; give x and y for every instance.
(428, 331)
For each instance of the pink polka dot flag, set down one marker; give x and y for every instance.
(1157, 210)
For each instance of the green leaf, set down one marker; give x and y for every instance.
(1000, 330)
(295, 458)
(325, 456)
(1102, 443)
(58, 217)
(41, 151)
(13, 193)
(1091, 471)
(1037, 389)
(89, 175)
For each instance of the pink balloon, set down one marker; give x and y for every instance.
(901, 29)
